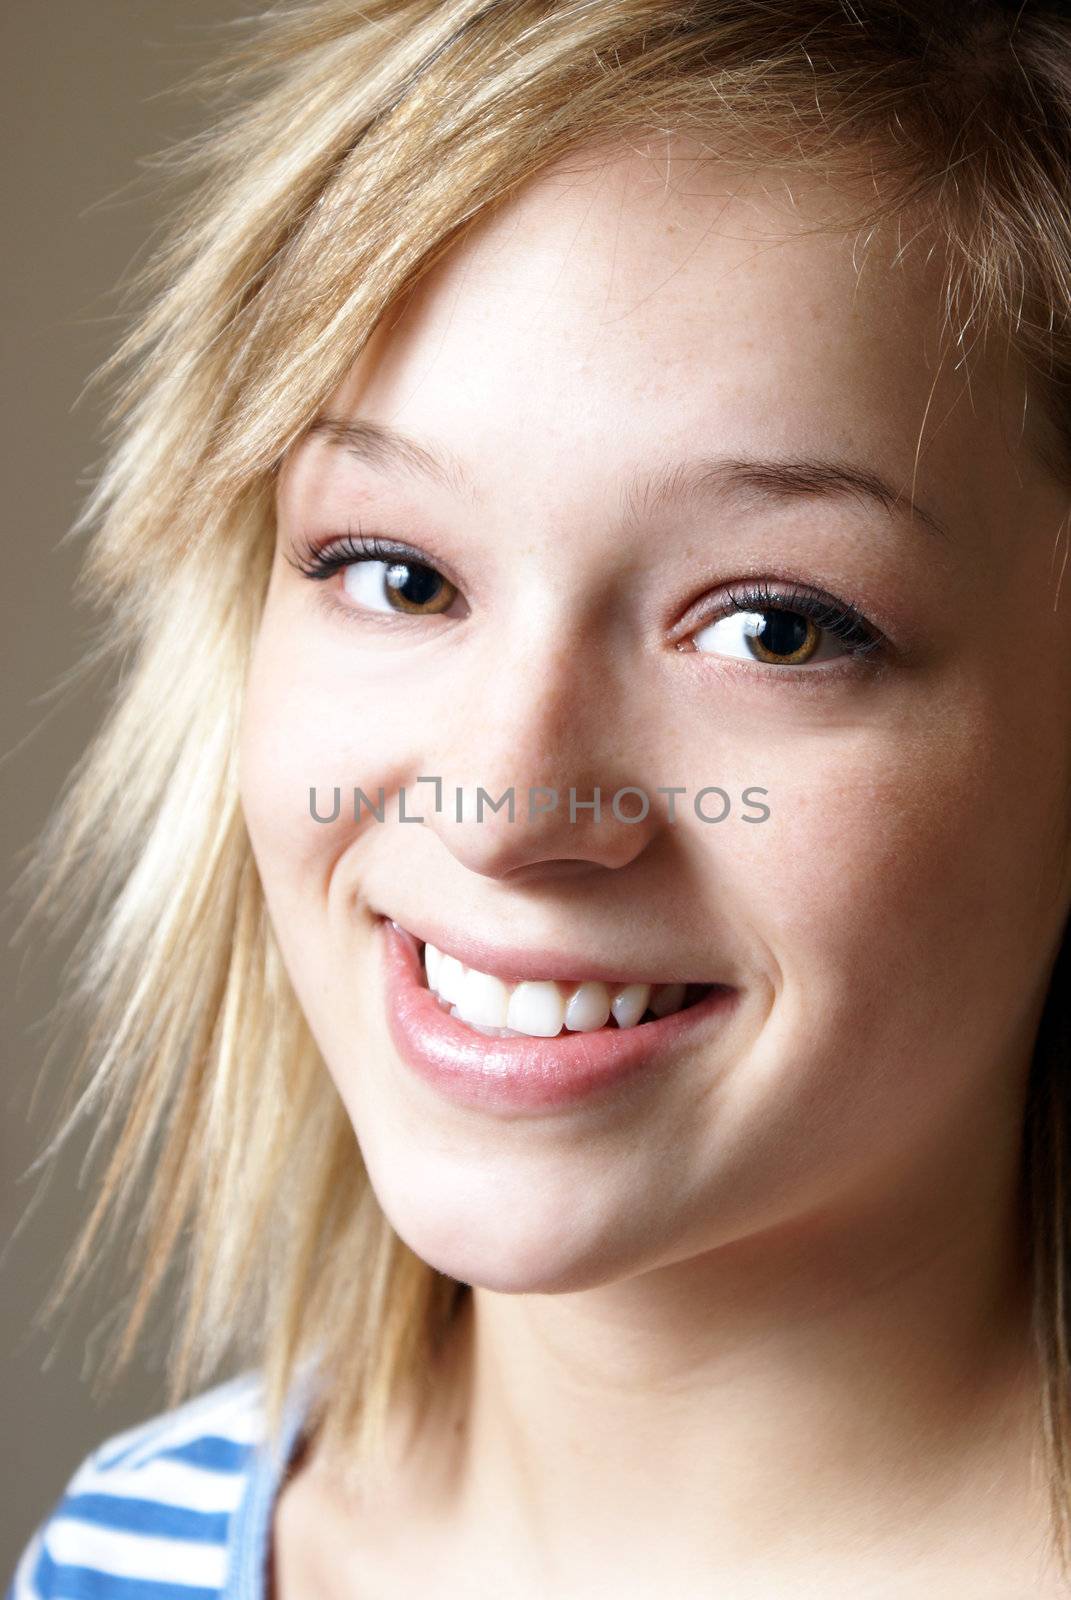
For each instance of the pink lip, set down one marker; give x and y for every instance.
(513, 965)
(521, 1074)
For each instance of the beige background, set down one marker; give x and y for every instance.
(82, 102)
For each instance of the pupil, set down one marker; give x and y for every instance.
(783, 632)
(416, 584)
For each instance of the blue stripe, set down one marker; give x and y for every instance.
(211, 1450)
(90, 1583)
(131, 1514)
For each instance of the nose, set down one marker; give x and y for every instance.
(551, 730)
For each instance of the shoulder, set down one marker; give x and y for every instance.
(147, 1514)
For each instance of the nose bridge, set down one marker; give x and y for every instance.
(548, 723)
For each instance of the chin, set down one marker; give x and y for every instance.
(496, 1246)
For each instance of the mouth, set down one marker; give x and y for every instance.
(543, 1008)
(614, 1029)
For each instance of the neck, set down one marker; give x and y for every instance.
(849, 1371)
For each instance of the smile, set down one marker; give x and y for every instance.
(542, 1008)
(515, 1071)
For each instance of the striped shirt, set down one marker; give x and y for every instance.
(176, 1508)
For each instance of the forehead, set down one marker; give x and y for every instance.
(631, 295)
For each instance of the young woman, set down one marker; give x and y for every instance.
(577, 869)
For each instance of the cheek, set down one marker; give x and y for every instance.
(310, 721)
(907, 879)
(308, 725)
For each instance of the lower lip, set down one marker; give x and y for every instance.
(523, 1074)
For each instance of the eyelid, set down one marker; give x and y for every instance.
(845, 619)
(312, 552)
(323, 560)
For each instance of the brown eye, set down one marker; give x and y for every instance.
(408, 587)
(773, 635)
(783, 637)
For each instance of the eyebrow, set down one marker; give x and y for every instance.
(744, 477)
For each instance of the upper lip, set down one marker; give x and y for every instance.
(512, 962)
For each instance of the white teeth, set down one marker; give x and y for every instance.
(482, 999)
(542, 1009)
(629, 1004)
(587, 1008)
(432, 961)
(449, 978)
(494, 1033)
(536, 1008)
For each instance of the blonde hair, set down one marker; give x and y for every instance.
(359, 141)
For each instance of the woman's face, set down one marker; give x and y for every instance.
(884, 933)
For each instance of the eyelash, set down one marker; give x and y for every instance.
(324, 561)
(842, 619)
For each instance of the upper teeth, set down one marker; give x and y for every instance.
(542, 1008)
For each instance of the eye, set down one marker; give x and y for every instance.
(401, 586)
(380, 575)
(791, 629)
(777, 637)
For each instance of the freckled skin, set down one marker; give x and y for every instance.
(890, 926)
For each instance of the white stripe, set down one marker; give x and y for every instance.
(135, 1555)
(173, 1483)
(231, 1409)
